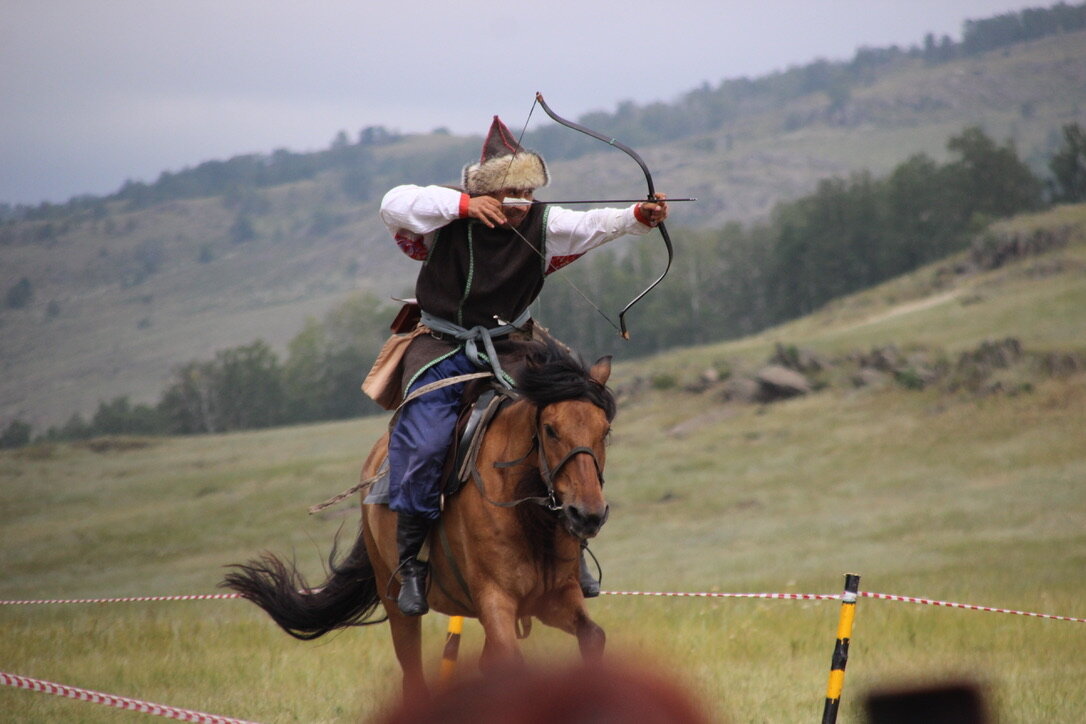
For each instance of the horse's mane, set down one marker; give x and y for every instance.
(552, 373)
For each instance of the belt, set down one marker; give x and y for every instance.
(470, 338)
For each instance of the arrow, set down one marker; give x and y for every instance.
(526, 202)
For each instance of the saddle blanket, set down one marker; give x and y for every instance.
(379, 489)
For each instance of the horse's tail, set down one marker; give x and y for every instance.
(348, 598)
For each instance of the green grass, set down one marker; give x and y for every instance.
(924, 493)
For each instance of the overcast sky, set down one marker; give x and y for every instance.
(94, 92)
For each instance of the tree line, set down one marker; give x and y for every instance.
(249, 386)
(709, 108)
(847, 235)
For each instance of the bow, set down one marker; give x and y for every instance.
(651, 197)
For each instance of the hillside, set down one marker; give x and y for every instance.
(946, 489)
(123, 292)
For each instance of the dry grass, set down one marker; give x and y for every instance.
(954, 497)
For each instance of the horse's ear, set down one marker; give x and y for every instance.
(601, 370)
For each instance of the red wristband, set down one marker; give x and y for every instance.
(464, 201)
(640, 216)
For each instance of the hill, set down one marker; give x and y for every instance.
(124, 288)
(929, 486)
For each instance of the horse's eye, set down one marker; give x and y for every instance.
(551, 432)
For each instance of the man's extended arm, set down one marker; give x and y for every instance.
(571, 234)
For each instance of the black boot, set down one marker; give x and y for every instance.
(590, 587)
(411, 531)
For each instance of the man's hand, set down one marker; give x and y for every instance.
(486, 209)
(654, 212)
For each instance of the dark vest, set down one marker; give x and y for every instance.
(473, 272)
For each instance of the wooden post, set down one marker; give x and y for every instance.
(840, 650)
(451, 651)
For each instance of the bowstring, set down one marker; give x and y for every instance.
(540, 254)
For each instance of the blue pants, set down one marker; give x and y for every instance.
(421, 438)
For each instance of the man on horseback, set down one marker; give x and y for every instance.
(486, 249)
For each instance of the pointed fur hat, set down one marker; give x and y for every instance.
(504, 164)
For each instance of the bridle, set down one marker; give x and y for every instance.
(546, 471)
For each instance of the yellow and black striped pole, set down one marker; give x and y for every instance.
(451, 651)
(840, 650)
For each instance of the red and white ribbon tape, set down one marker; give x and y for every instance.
(131, 599)
(837, 597)
(714, 594)
(119, 702)
(966, 606)
(656, 594)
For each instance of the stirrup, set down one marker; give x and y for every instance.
(590, 586)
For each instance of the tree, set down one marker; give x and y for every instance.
(923, 222)
(990, 180)
(1068, 166)
(188, 405)
(241, 388)
(16, 434)
(242, 230)
(248, 385)
(119, 417)
(328, 360)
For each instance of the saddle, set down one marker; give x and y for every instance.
(481, 402)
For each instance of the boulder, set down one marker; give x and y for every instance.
(779, 383)
(741, 389)
(796, 358)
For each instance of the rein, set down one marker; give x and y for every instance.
(550, 500)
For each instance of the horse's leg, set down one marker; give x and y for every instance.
(407, 640)
(568, 613)
(379, 529)
(498, 615)
(590, 636)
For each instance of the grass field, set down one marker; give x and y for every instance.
(953, 496)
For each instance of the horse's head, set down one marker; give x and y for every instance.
(571, 432)
(571, 439)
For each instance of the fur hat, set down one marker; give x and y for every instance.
(504, 165)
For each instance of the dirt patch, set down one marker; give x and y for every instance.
(903, 309)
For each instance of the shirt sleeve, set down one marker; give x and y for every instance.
(413, 213)
(570, 234)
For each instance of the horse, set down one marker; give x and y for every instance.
(506, 548)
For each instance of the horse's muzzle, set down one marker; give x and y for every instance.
(583, 523)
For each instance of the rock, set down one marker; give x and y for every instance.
(705, 380)
(741, 389)
(779, 383)
(869, 377)
(884, 359)
(993, 250)
(796, 358)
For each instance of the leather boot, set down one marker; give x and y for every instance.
(590, 587)
(411, 531)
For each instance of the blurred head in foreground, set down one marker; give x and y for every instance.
(598, 693)
(941, 703)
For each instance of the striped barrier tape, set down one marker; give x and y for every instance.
(656, 594)
(119, 702)
(130, 599)
(967, 606)
(715, 594)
